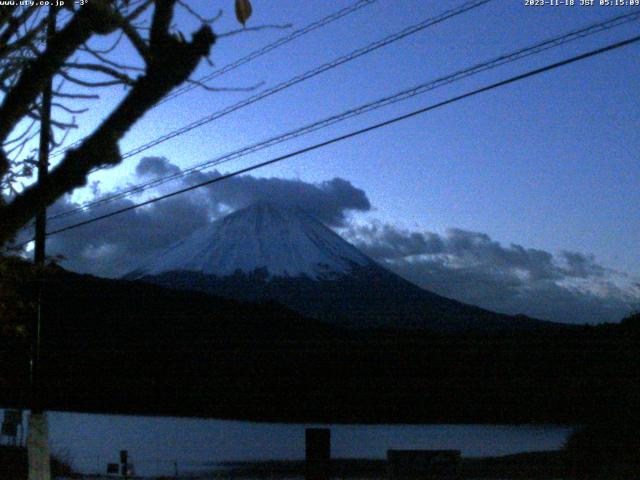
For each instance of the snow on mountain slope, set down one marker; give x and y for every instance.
(287, 242)
(272, 253)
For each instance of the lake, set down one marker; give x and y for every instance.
(157, 444)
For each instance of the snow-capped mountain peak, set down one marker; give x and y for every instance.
(310, 270)
(285, 241)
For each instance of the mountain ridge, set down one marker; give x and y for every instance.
(269, 252)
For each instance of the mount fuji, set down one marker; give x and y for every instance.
(267, 252)
(286, 242)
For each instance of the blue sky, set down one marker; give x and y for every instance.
(550, 163)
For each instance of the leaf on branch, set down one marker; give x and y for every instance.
(243, 11)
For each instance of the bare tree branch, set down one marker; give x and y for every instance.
(206, 21)
(35, 114)
(22, 135)
(136, 40)
(96, 67)
(68, 109)
(13, 25)
(110, 48)
(93, 17)
(107, 61)
(81, 96)
(166, 60)
(91, 84)
(171, 62)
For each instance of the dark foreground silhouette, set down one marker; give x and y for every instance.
(529, 465)
(120, 346)
(14, 463)
(538, 465)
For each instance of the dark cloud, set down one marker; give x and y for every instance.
(581, 266)
(112, 246)
(473, 268)
(115, 245)
(386, 242)
(155, 166)
(328, 201)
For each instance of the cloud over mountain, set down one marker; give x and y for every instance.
(472, 267)
(109, 247)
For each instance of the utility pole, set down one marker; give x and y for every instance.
(38, 435)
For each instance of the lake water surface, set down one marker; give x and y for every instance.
(156, 444)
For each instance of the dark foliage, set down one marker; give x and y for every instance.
(608, 446)
(122, 346)
(13, 464)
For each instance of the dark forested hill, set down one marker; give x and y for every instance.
(123, 346)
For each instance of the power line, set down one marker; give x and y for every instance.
(307, 75)
(352, 134)
(311, 74)
(251, 56)
(470, 5)
(370, 106)
(272, 46)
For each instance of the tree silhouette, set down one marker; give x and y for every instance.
(71, 58)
